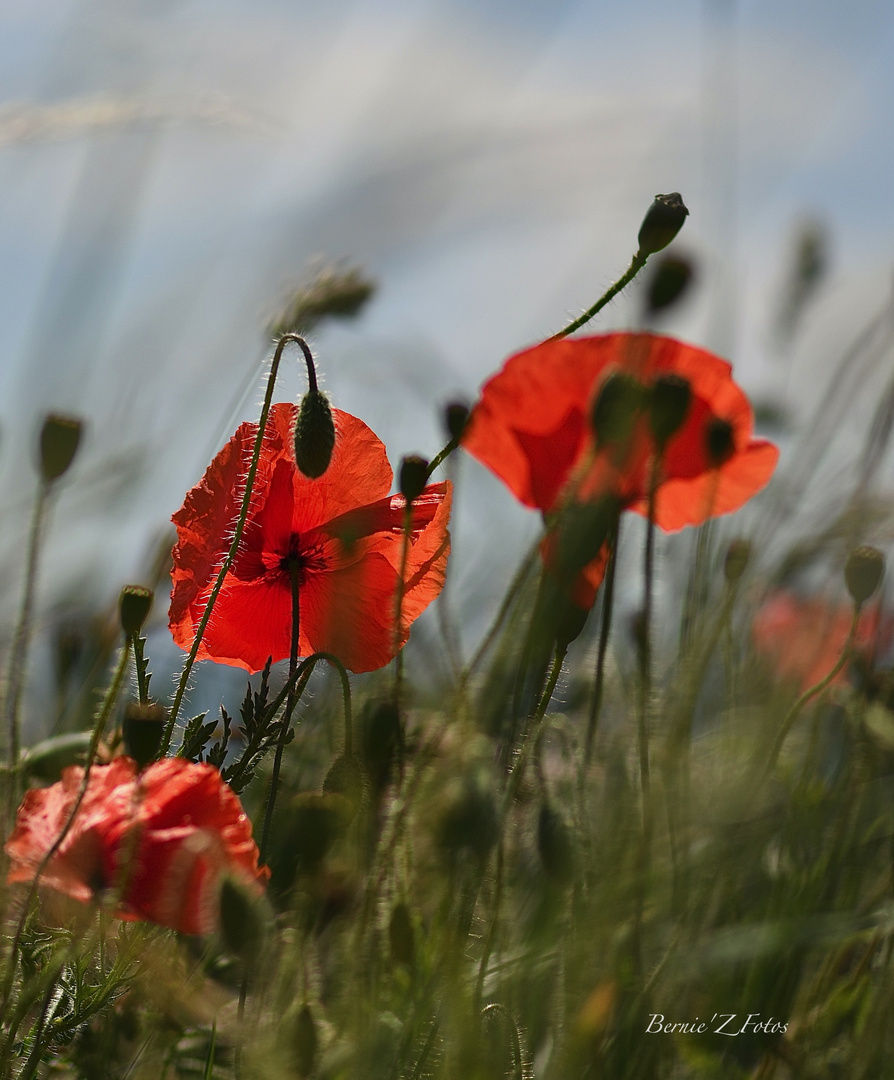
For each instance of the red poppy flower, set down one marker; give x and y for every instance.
(804, 638)
(532, 428)
(179, 825)
(342, 532)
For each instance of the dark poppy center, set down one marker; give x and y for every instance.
(301, 558)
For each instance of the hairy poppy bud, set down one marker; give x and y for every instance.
(314, 434)
(456, 416)
(555, 845)
(570, 623)
(616, 407)
(241, 919)
(863, 572)
(719, 445)
(142, 728)
(400, 935)
(347, 779)
(662, 222)
(134, 606)
(413, 477)
(738, 555)
(304, 1040)
(59, 439)
(672, 277)
(671, 397)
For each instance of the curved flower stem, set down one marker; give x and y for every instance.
(604, 632)
(102, 717)
(441, 455)
(237, 532)
(811, 692)
(636, 265)
(294, 578)
(18, 654)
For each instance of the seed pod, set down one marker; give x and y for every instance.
(615, 409)
(719, 445)
(134, 606)
(413, 477)
(662, 222)
(863, 572)
(314, 434)
(456, 416)
(671, 398)
(59, 439)
(738, 555)
(142, 728)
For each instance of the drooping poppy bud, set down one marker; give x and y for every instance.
(671, 397)
(59, 439)
(456, 416)
(413, 477)
(719, 445)
(672, 277)
(134, 606)
(616, 407)
(347, 779)
(738, 555)
(314, 434)
(863, 572)
(662, 222)
(142, 728)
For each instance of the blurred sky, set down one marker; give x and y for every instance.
(168, 169)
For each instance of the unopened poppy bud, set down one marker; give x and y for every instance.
(456, 416)
(662, 222)
(671, 397)
(738, 555)
(59, 439)
(863, 572)
(400, 935)
(570, 623)
(314, 434)
(555, 845)
(616, 408)
(672, 277)
(305, 1041)
(335, 292)
(142, 728)
(382, 741)
(312, 824)
(241, 919)
(468, 817)
(413, 477)
(134, 606)
(719, 444)
(347, 779)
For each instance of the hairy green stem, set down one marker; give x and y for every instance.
(636, 265)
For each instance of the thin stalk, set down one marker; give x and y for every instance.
(608, 592)
(138, 644)
(237, 532)
(635, 266)
(102, 718)
(18, 655)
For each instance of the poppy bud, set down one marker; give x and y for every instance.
(335, 292)
(456, 416)
(382, 741)
(719, 445)
(570, 623)
(312, 825)
(400, 935)
(241, 920)
(555, 845)
(314, 434)
(468, 817)
(59, 438)
(143, 727)
(671, 397)
(134, 606)
(305, 1041)
(581, 533)
(413, 477)
(616, 407)
(671, 279)
(662, 222)
(863, 572)
(347, 779)
(738, 555)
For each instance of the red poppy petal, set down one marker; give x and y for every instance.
(252, 621)
(427, 558)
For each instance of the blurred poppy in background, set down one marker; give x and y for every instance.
(338, 537)
(166, 837)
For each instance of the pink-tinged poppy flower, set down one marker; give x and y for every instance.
(803, 639)
(532, 428)
(341, 535)
(178, 827)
